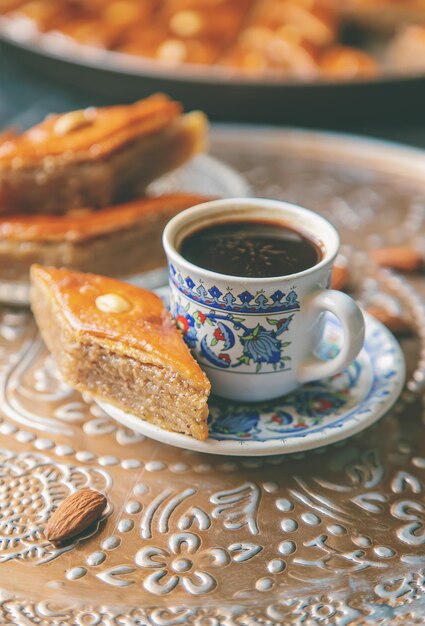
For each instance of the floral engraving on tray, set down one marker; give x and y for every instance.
(157, 514)
(238, 507)
(366, 496)
(303, 504)
(115, 576)
(315, 610)
(31, 381)
(31, 488)
(181, 563)
(183, 560)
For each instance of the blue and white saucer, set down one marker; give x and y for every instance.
(317, 414)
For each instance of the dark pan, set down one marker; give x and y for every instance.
(224, 95)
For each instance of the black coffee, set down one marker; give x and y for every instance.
(253, 249)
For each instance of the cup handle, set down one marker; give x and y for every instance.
(353, 327)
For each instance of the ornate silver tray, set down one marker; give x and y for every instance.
(334, 536)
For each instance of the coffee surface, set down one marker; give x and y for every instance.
(252, 249)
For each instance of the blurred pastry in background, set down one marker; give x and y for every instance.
(304, 39)
(343, 62)
(96, 157)
(283, 36)
(117, 241)
(188, 31)
(407, 51)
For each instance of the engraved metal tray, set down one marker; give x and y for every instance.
(334, 536)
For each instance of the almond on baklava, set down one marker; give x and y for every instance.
(118, 343)
(96, 157)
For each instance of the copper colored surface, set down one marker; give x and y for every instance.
(334, 536)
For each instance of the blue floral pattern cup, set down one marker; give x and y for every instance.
(258, 338)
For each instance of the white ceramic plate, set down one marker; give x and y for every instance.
(317, 414)
(203, 175)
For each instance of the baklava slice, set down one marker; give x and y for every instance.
(118, 241)
(96, 157)
(118, 343)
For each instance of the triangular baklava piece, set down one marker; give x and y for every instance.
(118, 342)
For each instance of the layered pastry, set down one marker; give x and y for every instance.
(95, 157)
(284, 36)
(118, 241)
(118, 343)
(343, 62)
(279, 37)
(407, 51)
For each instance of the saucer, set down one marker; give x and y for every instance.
(315, 415)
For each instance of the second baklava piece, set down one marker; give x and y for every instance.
(95, 157)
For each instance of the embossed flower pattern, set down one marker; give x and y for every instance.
(31, 487)
(183, 563)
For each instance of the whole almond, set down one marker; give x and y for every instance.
(112, 303)
(399, 258)
(74, 120)
(340, 277)
(75, 514)
(395, 323)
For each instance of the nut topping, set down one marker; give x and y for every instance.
(395, 323)
(186, 23)
(75, 514)
(112, 303)
(74, 120)
(172, 50)
(399, 258)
